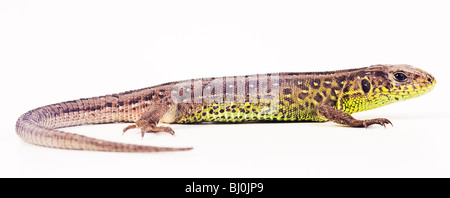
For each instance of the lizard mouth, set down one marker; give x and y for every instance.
(414, 89)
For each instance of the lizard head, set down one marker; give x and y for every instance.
(400, 82)
(379, 85)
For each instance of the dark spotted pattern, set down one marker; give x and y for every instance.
(340, 81)
(315, 83)
(303, 96)
(300, 95)
(327, 82)
(318, 98)
(287, 91)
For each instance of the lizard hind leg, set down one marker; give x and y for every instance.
(149, 120)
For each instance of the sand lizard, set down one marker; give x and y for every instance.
(307, 96)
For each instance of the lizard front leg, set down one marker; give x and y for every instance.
(340, 117)
(149, 120)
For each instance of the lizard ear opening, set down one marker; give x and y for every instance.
(365, 84)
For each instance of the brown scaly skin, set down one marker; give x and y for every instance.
(312, 96)
(39, 126)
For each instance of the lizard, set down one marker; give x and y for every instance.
(288, 96)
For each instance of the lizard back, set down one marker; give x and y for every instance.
(293, 96)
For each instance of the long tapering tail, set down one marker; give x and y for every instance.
(39, 126)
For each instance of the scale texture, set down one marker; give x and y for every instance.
(294, 96)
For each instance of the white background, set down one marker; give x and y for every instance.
(53, 51)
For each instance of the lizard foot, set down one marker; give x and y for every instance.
(149, 128)
(380, 121)
(341, 117)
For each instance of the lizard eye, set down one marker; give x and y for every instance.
(400, 76)
(365, 85)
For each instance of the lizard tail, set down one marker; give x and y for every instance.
(39, 126)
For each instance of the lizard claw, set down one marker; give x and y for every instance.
(133, 126)
(149, 129)
(157, 129)
(388, 122)
(365, 124)
(380, 121)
